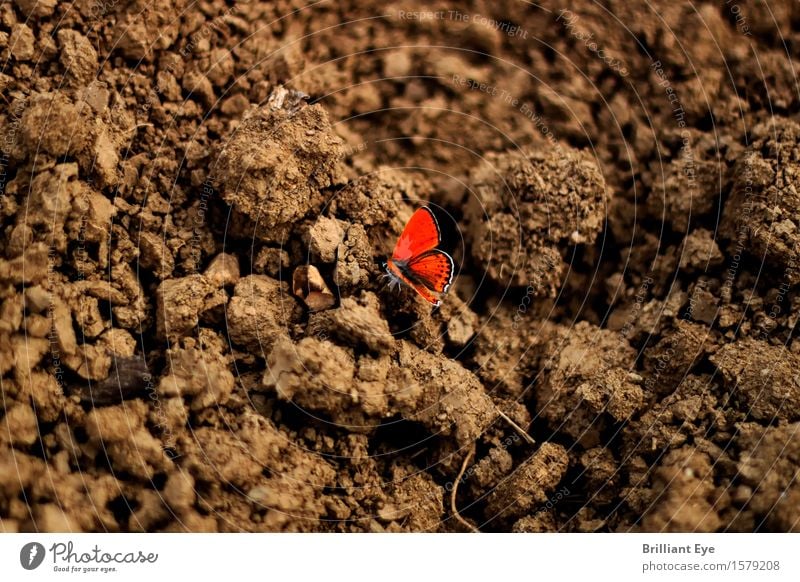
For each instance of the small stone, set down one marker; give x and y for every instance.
(271, 261)
(21, 42)
(154, 255)
(37, 299)
(308, 285)
(705, 306)
(128, 378)
(78, 56)
(197, 84)
(21, 424)
(396, 64)
(223, 269)
(179, 490)
(235, 105)
(36, 8)
(53, 519)
(358, 321)
(260, 310)
(323, 238)
(700, 251)
(213, 386)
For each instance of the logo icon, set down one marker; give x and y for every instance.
(31, 555)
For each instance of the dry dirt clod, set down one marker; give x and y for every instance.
(53, 123)
(357, 321)
(22, 42)
(355, 265)
(271, 261)
(200, 371)
(628, 286)
(180, 302)
(529, 484)
(260, 310)
(77, 56)
(762, 377)
(558, 199)
(37, 8)
(323, 238)
(685, 494)
(441, 394)
(318, 375)
(700, 251)
(155, 255)
(272, 167)
(761, 216)
(587, 375)
(768, 467)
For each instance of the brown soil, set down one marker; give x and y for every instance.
(196, 200)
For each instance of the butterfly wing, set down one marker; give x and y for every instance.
(433, 269)
(426, 294)
(419, 287)
(420, 235)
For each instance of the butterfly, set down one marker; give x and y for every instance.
(417, 262)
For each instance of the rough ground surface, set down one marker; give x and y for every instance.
(196, 198)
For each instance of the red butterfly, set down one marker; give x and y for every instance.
(417, 262)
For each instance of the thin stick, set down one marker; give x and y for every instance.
(453, 508)
(517, 427)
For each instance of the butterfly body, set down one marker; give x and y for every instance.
(417, 262)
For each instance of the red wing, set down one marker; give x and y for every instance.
(418, 287)
(426, 294)
(433, 269)
(420, 235)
